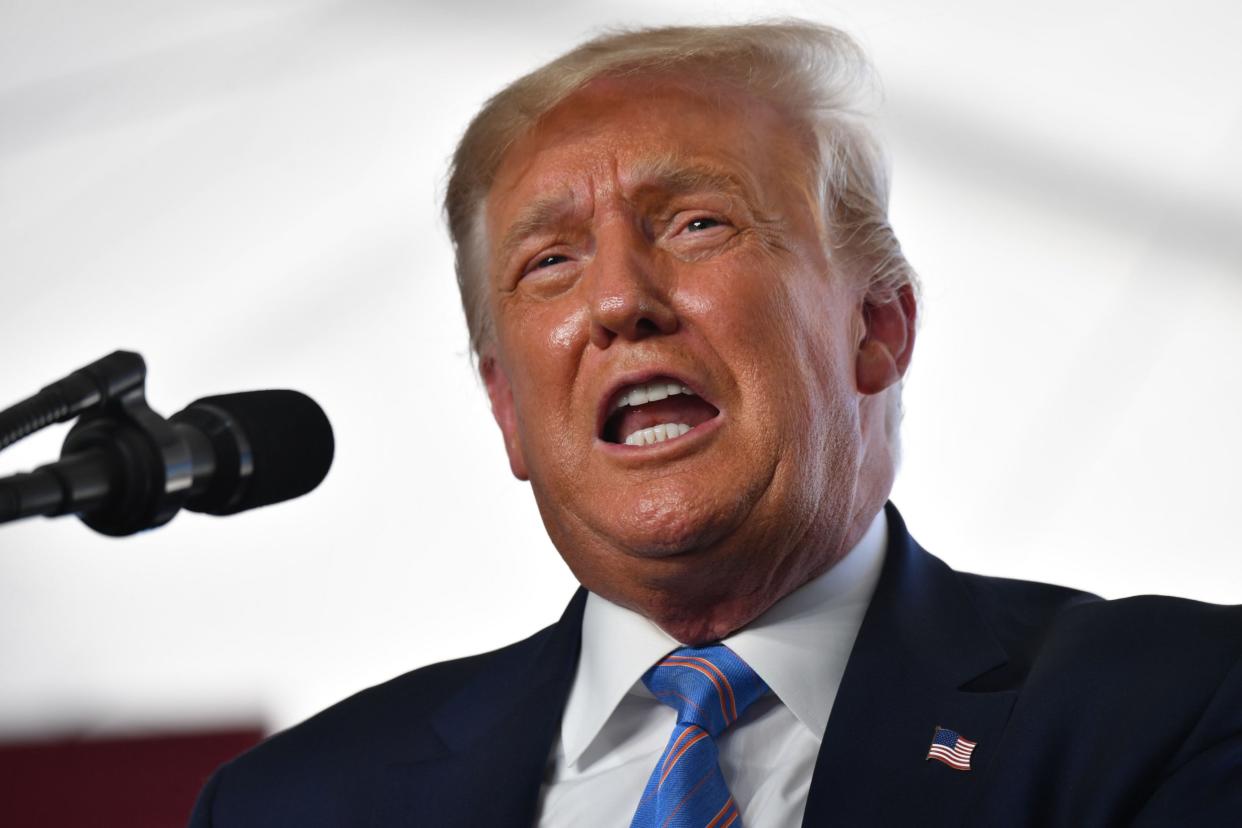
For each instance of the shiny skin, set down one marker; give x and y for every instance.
(666, 227)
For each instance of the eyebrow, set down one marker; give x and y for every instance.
(675, 176)
(664, 174)
(540, 214)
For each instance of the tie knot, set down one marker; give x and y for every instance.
(708, 686)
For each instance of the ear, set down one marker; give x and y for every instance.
(501, 394)
(887, 343)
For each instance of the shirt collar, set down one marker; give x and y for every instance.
(799, 646)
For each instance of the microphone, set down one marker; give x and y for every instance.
(265, 447)
(131, 470)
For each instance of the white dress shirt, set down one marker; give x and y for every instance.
(613, 730)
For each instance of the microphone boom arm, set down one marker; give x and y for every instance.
(91, 386)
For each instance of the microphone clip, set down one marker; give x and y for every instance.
(123, 468)
(151, 466)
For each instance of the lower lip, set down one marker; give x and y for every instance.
(664, 450)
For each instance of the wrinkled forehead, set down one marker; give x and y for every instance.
(645, 133)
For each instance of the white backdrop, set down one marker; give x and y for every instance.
(247, 194)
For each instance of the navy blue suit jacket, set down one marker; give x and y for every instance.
(1086, 713)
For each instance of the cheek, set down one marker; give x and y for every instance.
(787, 333)
(766, 324)
(543, 341)
(544, 336)
(741, 302)
(695, 303)
(570, 331)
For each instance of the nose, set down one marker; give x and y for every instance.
(628, 298)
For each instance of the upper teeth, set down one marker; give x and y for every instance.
(652, 391)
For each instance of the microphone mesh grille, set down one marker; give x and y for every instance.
(290, 440)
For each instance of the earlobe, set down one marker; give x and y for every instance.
(500, 393)
(888, 341)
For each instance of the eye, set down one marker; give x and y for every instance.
(702, 223)
(546, 261)
(552, 269)
(694, 235)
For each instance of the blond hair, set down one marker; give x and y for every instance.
(816, 73)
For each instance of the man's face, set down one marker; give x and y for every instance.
(657, 265)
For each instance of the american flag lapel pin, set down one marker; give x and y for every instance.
(949, 747)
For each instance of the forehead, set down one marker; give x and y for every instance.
(621, 136)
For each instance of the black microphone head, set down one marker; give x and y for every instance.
(269, 445)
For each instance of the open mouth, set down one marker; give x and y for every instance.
(655, 411)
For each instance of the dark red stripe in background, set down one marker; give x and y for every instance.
(147, 782)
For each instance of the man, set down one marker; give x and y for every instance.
(692, 319)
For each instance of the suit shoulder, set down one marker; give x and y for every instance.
(366, 718)
(1030, 601)
(1178, 634)
(1021, 613)
(319, 772)
(1044, 624)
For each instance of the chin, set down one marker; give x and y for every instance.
(672, 518)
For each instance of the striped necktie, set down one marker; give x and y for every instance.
(709, 687)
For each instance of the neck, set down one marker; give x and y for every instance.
(704, 619)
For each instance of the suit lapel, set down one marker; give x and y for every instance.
(920, 641)
(484, 760)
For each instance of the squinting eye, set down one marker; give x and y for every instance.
(704, 223)
(547, 261)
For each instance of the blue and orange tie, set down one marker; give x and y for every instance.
(709, 687)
